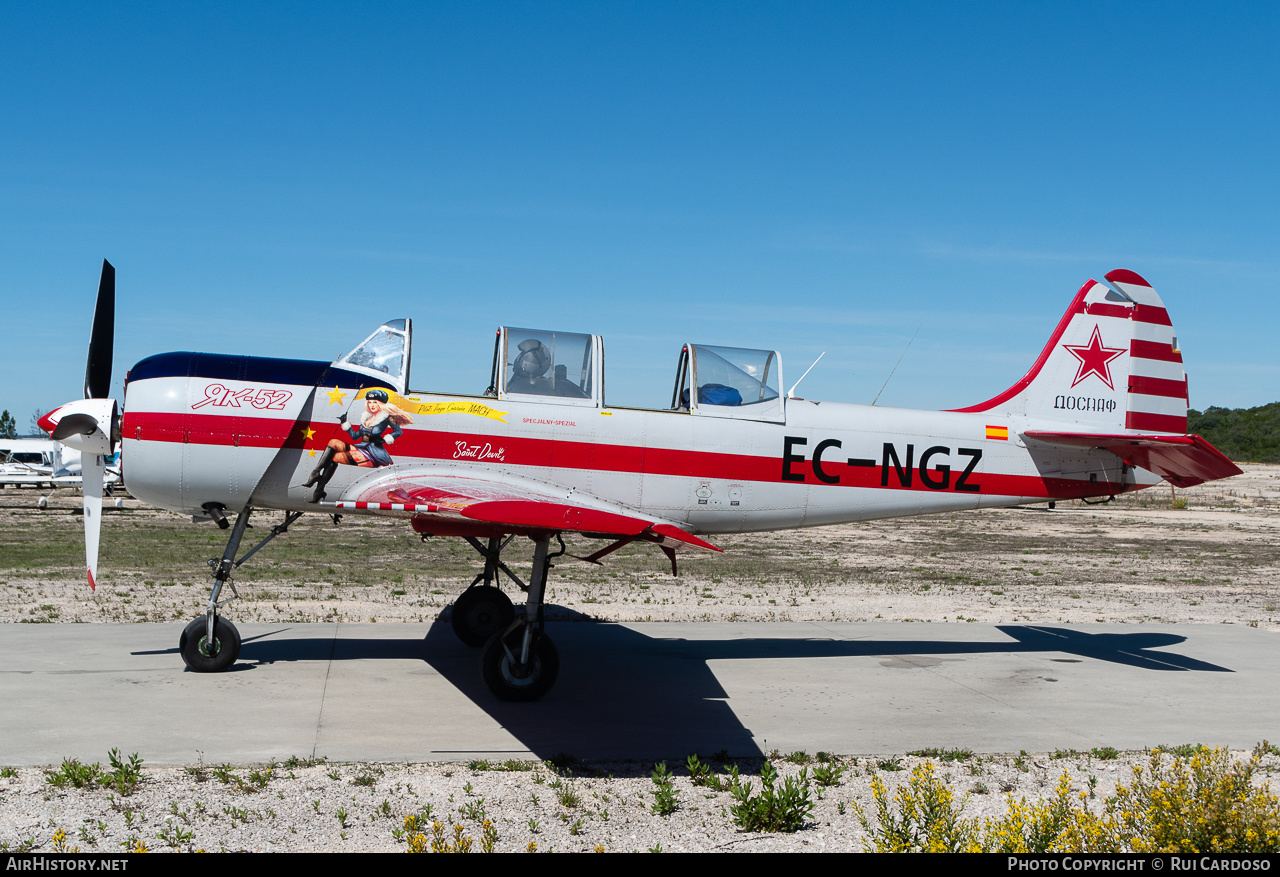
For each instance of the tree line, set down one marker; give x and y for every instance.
(1246, 435)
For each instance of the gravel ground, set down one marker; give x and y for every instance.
(573, 808)
(1135, 560)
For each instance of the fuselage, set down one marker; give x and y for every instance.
(203, 429)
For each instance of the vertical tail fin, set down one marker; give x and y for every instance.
(1111, 364)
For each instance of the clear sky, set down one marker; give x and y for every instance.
(277, 179)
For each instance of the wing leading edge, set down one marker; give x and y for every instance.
(445, 505)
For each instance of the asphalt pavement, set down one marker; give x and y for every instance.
(412, 692)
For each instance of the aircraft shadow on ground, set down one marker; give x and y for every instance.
(623, 692)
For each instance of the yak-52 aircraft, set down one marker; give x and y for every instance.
(540, 453)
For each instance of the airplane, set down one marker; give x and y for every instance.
(41, 462)
(28, 461)
(540, 453)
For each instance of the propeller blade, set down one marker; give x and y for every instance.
(92, 466)
(92, 425)
(97, 371)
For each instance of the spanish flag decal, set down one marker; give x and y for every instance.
(998, 432)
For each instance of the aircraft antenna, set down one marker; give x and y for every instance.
(791, 394)
(898, 363)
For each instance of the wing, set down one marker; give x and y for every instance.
(1184, 460)
(448, 505)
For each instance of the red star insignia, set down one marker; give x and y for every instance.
(1094, 359)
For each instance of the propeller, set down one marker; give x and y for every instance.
(97, 370)
(92, 424)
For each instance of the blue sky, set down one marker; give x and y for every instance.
(277, 179)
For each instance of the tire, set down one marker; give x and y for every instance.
(511, 682)
(202, 659)
(479, 613)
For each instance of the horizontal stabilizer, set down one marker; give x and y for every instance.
(1184, 460)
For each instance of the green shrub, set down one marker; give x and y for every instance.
(124, 776)
(664, 794)
(74, 774)
(774, 809)
(828, 775)
(699, 772)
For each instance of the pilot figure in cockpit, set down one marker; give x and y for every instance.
(529, 368)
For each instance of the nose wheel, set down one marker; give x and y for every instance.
(211, 644)
(204, 655)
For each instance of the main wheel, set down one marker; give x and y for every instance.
(202, 657)
(479, 613)
(510, 680)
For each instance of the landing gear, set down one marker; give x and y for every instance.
(520, 662)
(515, 671)
(482, 610)
(205, 656)
(480, 613)
(211, 644)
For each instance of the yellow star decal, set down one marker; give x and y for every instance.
(311, 453)
(336, 397)
(308, 433)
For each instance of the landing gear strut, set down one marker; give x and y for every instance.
(210, 644)
(520, 662)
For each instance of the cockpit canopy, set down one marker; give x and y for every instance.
(384, 354)
(734, 382)
(539, 364)
(567, 368)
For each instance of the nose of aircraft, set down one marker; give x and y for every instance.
(50, 420)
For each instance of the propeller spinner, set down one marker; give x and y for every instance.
(92, 425)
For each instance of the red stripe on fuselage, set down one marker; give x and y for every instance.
(217, 430)
(261, 432)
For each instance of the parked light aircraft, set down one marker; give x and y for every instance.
(540, 453)
(30, 462)
(41, 462)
